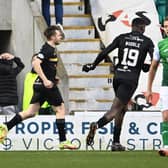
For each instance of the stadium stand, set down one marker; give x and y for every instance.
(81, 47)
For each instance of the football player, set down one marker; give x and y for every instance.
(45, 88)
(132, 51)
(161, 55)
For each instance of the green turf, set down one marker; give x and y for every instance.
(149, 159)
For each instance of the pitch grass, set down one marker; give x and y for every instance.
(82, 159)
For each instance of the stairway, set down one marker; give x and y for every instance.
(87, 91)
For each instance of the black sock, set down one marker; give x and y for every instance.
(116, 136)
(61, 129)
(14, 121)
(102, 122)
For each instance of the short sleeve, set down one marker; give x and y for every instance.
(45, 52)
(156, 55)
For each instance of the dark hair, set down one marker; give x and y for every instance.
(166, 19)
(138, 22)
(50, 31)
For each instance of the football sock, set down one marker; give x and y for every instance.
(61, 129)
(116, 135)
(14, 121)
(164, 132)
(102, 121)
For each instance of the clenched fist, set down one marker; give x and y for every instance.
(88, 67)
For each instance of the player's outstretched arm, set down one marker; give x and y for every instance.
(102, 55)
(151, 77)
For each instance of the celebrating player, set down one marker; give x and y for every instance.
(161, 53)
(45, 88)
(132, 50)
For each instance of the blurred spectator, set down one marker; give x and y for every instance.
(58, 5)
(8, 83)
(162, 8)
(87, 7)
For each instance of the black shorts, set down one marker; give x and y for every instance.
(124, 89)
(42, 94)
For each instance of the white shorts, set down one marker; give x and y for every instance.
(164, 98)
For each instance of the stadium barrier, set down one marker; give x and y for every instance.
(141, 131)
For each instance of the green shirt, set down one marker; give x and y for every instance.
(162, 55)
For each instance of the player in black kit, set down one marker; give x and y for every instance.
(45, 89)
(132, 51)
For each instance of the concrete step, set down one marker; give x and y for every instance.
(89, 88)
(68, 1)
(90, 81)
(83, 56)
(80, 44)
(75, 20)
(82, 113)
(91, 100)
(65, 1)
(76, 69)
(92, 93)
(90, 76)
(87, 105)
(79, 32)
(70, 8)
